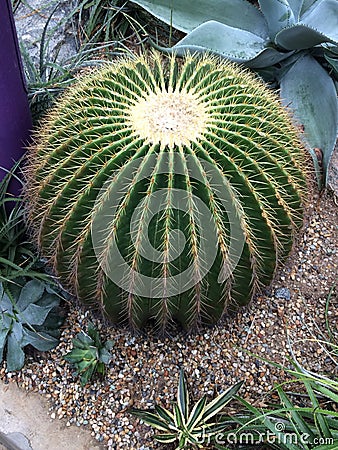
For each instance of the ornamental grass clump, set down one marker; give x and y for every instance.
(166, 190)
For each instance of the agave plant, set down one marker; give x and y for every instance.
(298, 37)
(89, 355)
(188, 427)
(162, 190)
(28, 316)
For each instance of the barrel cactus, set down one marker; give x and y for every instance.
(166, 190)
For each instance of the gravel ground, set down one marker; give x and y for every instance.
(145, 368)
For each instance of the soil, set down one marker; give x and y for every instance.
(26, 415)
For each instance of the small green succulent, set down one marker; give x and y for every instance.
(30, 320)
(89, 355)
(294, 42)
(188, 427)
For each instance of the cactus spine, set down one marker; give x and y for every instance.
(184, 142)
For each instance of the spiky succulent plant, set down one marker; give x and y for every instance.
(162, 189)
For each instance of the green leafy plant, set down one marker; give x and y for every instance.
(89, 355)
(189, 427)
(28, 316)
(211, 139)
(99, 31)
(17, 256)
(295, 42)
(311, 425)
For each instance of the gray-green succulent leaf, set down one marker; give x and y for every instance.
(182, 16)
(15, 354)
(299, 37)
(30, 293)
(238, 45)
(324, 18)
(27, 321)
(333, 61)
(308, 90)
(40, 340)
(278, 15)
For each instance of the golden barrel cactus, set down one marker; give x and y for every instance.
(164, 189)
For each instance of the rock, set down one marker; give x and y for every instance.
(283, 293)
(15, 441)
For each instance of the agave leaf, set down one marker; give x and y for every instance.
(15, 354)
(308, 5)
(277, 14)
(238, 45)
(100, 367)
(182, 16)
(311, 94)
(333, 62)
(178, 417)
(266, 57)
(151, 419)
(300, 37)
(324, 18)
(296, 7)
(183, 396)
(165, 438)
(225, 40)
(333, 49)
(165, 414)
(41, 340)
(182, 442)
(212, 429)
(31, 292)
(220, 401)
(7, 316)
(196, 414)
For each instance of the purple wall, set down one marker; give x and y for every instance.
(15, 118)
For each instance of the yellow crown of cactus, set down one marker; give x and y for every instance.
(164, 189)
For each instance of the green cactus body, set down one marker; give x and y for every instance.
(189, 172)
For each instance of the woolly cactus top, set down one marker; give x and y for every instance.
(166, 189)
(169, 118)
